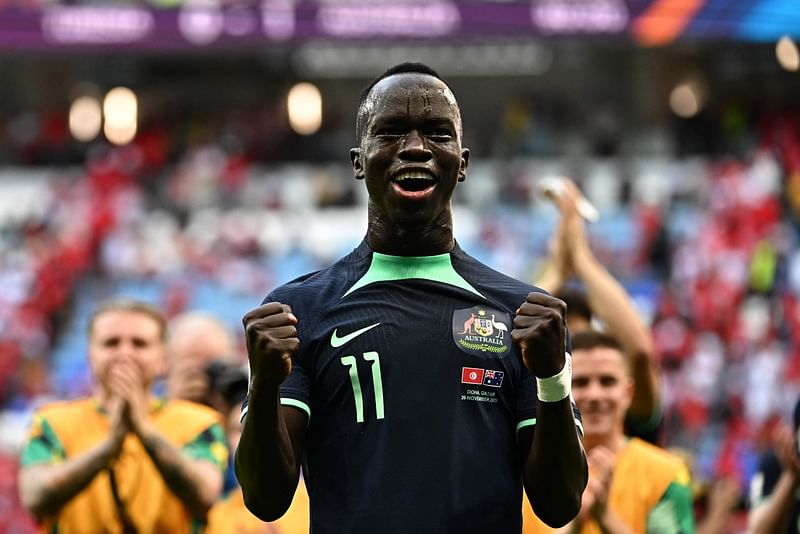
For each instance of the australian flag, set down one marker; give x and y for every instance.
(493, 378)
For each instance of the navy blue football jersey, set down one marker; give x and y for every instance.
(414, 394)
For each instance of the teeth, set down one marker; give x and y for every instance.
(413, 175)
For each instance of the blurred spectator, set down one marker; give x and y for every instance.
(718, 505)
(204, 367)
(721, 501)
(774, 489)
(618, 498)
(195, 340)
(606, 299)
(123, 460)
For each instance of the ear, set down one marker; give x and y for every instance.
(355, 160)
(462, 169)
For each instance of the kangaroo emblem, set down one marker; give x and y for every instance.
(468, 324)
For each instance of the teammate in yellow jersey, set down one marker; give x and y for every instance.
(123, 461)
(603, 298)
(634, 487)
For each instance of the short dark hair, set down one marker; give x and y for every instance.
(577, 303)
(129, 305)
(592, 339)
(401, 68)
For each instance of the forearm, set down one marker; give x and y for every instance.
(772, 515)
(197, 486)
(556, 468)
(645, 374)
(267, 465)
(45, 489)
(611, 304)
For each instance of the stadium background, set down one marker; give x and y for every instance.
(679, 119)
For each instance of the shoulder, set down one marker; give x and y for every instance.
(311, 293)
(60, 419)
(306, 292)
(181, 410)
(656, 458)
(490, 280)
(182, 421)
(66, 410)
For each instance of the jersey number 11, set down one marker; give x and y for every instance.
(351, 363)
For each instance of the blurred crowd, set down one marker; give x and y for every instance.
(707, 247)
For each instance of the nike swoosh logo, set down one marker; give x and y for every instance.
(337, 341)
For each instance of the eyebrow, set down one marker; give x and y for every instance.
(390, 120)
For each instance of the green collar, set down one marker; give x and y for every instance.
(438, 268)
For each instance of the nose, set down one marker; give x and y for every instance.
(414, 147)
(594, 390)
(125, 350)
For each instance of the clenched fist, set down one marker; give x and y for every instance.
(539, 332)
(271, 337)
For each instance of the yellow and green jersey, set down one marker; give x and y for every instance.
(649, 491)
(67, 429)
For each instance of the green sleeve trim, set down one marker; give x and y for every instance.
(525, 422)
(43, 445)
(209, 445)
(673, 514)
(285, 401)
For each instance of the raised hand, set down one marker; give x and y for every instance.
(601, 470)
(787, 450)
(271, 334)
(540, 333)
(119, 425)
(127, 383)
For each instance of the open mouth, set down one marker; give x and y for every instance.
(414, 181)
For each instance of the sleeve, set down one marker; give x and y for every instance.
(674, 512)
(42, 445)
(296, 389)
(764, 480)
(209, 445)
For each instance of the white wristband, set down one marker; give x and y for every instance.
(557, 387)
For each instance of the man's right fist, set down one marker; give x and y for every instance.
(271, 340)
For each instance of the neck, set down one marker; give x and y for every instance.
(430, 239)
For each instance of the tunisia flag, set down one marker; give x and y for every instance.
(471, 375)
